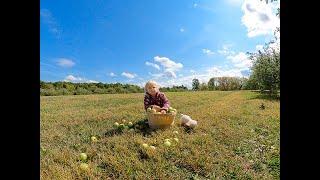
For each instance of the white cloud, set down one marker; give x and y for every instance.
(201, 76)
(275, 45)
(195, 5)
(128, 75)
(259, 18)
(112, 74)
(170, 67)
(240, 60)
(207, 51)
(156, 76)
(181, 30)
(71, 78)
(226, 49)
(217, 72)
(168, 64)
(92, 81)
(170, 74)
(153, 65)
(52, 24)
(259, 47)
(63, 62)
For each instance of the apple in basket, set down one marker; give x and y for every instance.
(153, 111)
(148, 109)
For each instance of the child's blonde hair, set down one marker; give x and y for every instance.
(150, 83)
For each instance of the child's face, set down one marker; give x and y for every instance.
(153, 89)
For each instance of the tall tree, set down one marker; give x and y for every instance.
(195, 84)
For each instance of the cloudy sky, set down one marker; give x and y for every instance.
(133, 41)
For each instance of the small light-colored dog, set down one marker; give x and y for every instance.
(187, 121)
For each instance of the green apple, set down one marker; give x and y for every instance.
(83, 156)
(94, 139)
(175, 132)
(130, 124)
(116, 125)
(176, 139)
(121, 126)
(145, 145)
(170, 108)
(152, 147)
(43, 149)
(125, 128)
(167, 143)
(148, 109)
(84, 166)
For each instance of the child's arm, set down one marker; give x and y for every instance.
(166, 103)
(146, 102)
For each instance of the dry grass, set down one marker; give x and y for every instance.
(235, 139)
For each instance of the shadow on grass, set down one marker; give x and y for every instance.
(266, 96)
(141, 127)
(188, 129)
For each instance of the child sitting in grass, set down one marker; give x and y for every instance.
(154, 98)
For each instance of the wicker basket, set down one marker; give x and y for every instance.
(156, 121)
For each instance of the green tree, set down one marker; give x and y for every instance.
(203, 87)
(211, 84)
(266, 70)
(195, 84)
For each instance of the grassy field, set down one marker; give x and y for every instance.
(234, 139)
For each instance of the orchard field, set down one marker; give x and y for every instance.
(237, 137)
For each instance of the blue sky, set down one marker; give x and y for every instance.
(133, 41)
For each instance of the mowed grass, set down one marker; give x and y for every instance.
(234, 139)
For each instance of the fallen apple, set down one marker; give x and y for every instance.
(167, 143)
(145, 145)
(121, 126)
(130, 124)
(84, 166)
(94, 139)
(83, 156)
(116, 125)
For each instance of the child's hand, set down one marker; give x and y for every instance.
(163, 111)
(157, 108)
